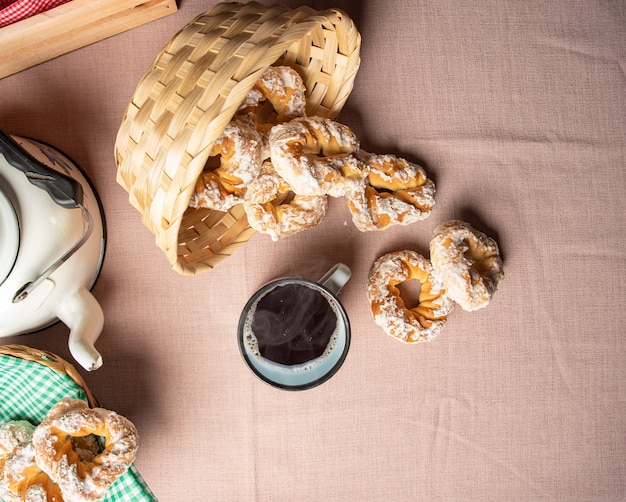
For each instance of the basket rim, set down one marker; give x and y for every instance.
(52, 361)
(207, 129)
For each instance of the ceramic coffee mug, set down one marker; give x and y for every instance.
(294, 333)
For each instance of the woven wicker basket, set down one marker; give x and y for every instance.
(53, 362)
(183, 103)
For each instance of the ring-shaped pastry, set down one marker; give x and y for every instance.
(278, 96)
(310, 152)
(468, 263)
(235, 160)
(21, 479)
(213, 192)
(280, 219)
(282, 89)
(395, 192)
(420, 323)
(13, 434)
(80, 478)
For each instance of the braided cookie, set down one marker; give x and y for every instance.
(287, 218)
(81, 473)
(468, 263)
(421, 323)
(395, 192)
(310, 152)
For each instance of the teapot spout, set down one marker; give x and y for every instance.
(82, 313)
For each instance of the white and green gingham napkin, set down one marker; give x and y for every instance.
(29, 389)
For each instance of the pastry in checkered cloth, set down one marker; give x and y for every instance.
(20, 477)
(83, 475)
(13, 434)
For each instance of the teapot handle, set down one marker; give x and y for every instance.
(82, 313)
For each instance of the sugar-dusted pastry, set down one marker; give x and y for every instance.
(13, 434)
(309, 153)
(21, 480)
(420, 323)
(81, 474)
(237, 157)
(394, 192)
(278, 220)
(468, 263)
(283, 87)
(278, 96)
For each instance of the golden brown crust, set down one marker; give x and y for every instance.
(237, 156)
(468, 262)
(280, 220)
(21, 480)
(79, 475)
(310, 154)
(394, 192)
(283, 87)
(420, 323)
(277, 97)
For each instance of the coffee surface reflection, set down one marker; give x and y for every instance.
(293, 324)
(293, 333)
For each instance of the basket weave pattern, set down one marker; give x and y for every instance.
(184, 102)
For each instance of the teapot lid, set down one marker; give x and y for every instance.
(10, 232)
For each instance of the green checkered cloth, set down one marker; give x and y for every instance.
(29, 389)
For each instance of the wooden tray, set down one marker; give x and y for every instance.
(71, 26)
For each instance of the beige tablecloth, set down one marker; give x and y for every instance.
(517, 111)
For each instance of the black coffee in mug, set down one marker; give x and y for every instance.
(293, 324)
(294, 333)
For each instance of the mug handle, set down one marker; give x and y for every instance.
(336, 278)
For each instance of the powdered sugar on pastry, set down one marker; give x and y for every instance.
(238, 153)
(421, 323)
(468, 263)
(84, 479)
(395, 192)
(278, 96)
(212, 193)
(278, 220)
(283, 87)
(239, 148)
(21, 480)
(13, 434)
(309, 153)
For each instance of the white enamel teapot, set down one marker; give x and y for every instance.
(52, 242)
